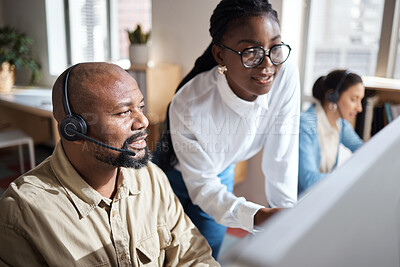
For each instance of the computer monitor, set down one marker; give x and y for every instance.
(351, 218)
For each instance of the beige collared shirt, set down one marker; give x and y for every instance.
(51, 216)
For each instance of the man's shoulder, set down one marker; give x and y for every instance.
(27, 190)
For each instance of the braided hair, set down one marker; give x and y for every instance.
(227, 15)
(329, 82)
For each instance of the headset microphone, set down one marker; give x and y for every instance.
(100, 143)
(74, 127)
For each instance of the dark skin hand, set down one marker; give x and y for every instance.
(264, 214)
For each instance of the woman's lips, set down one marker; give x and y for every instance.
(264, 80)
(352, 115)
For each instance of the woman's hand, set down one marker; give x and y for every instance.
(264, 214)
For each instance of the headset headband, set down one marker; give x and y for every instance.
(65, 102)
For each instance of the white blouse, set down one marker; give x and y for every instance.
(328, 137)
(212, 128)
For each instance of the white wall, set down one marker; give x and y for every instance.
(29, 17)
(180, 31)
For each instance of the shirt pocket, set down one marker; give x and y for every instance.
(150, 249)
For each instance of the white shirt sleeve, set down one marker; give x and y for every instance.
(198, 171)
(281, 149)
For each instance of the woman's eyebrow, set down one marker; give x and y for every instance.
(255, 42)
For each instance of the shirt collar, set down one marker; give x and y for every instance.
(84, 197)
(128, 186)
(233, 101)
(323, 119)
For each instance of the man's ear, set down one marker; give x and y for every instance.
(218, 55)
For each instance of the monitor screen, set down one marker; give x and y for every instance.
(351, 218)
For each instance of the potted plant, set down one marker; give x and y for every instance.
(138, 49)
(15, 52)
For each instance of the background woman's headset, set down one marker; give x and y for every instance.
(335, 95)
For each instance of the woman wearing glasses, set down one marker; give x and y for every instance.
(239, 98)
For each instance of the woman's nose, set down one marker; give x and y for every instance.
(266, 62)
(359, 107)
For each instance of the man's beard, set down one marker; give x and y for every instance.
(123, 159)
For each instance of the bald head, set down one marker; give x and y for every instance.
(87, 82)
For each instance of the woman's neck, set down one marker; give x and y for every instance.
(331, 114)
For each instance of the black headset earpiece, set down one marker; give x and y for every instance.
(334, 96)
(71, 122)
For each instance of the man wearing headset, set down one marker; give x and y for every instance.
(97, 200)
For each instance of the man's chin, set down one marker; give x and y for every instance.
(140, 160)
(139, 153)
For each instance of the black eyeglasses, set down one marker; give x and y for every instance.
(253, 56)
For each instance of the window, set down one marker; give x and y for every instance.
(96, 29)
(88, 30)
(342, 34)
(56, 43)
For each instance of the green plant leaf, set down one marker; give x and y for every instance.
(138, 36)
(15, 48)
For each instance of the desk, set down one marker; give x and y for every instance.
(31, 111)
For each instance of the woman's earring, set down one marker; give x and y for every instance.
(333, 106)
(222, 69)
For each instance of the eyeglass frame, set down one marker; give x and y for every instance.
(266, 53)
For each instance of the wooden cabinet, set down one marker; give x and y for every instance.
(379, 92)
(158, 84)
(387, 89)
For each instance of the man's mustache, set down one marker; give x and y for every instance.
(134, 137)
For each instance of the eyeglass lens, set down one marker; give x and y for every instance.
(253, 56)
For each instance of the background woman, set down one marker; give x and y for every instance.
(325, 125)
(239, 98)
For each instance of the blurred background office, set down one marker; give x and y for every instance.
(360, 35)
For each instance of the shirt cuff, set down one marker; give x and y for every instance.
(246, 214)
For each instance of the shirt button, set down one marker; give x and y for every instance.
(123, 256)
(113, 213)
